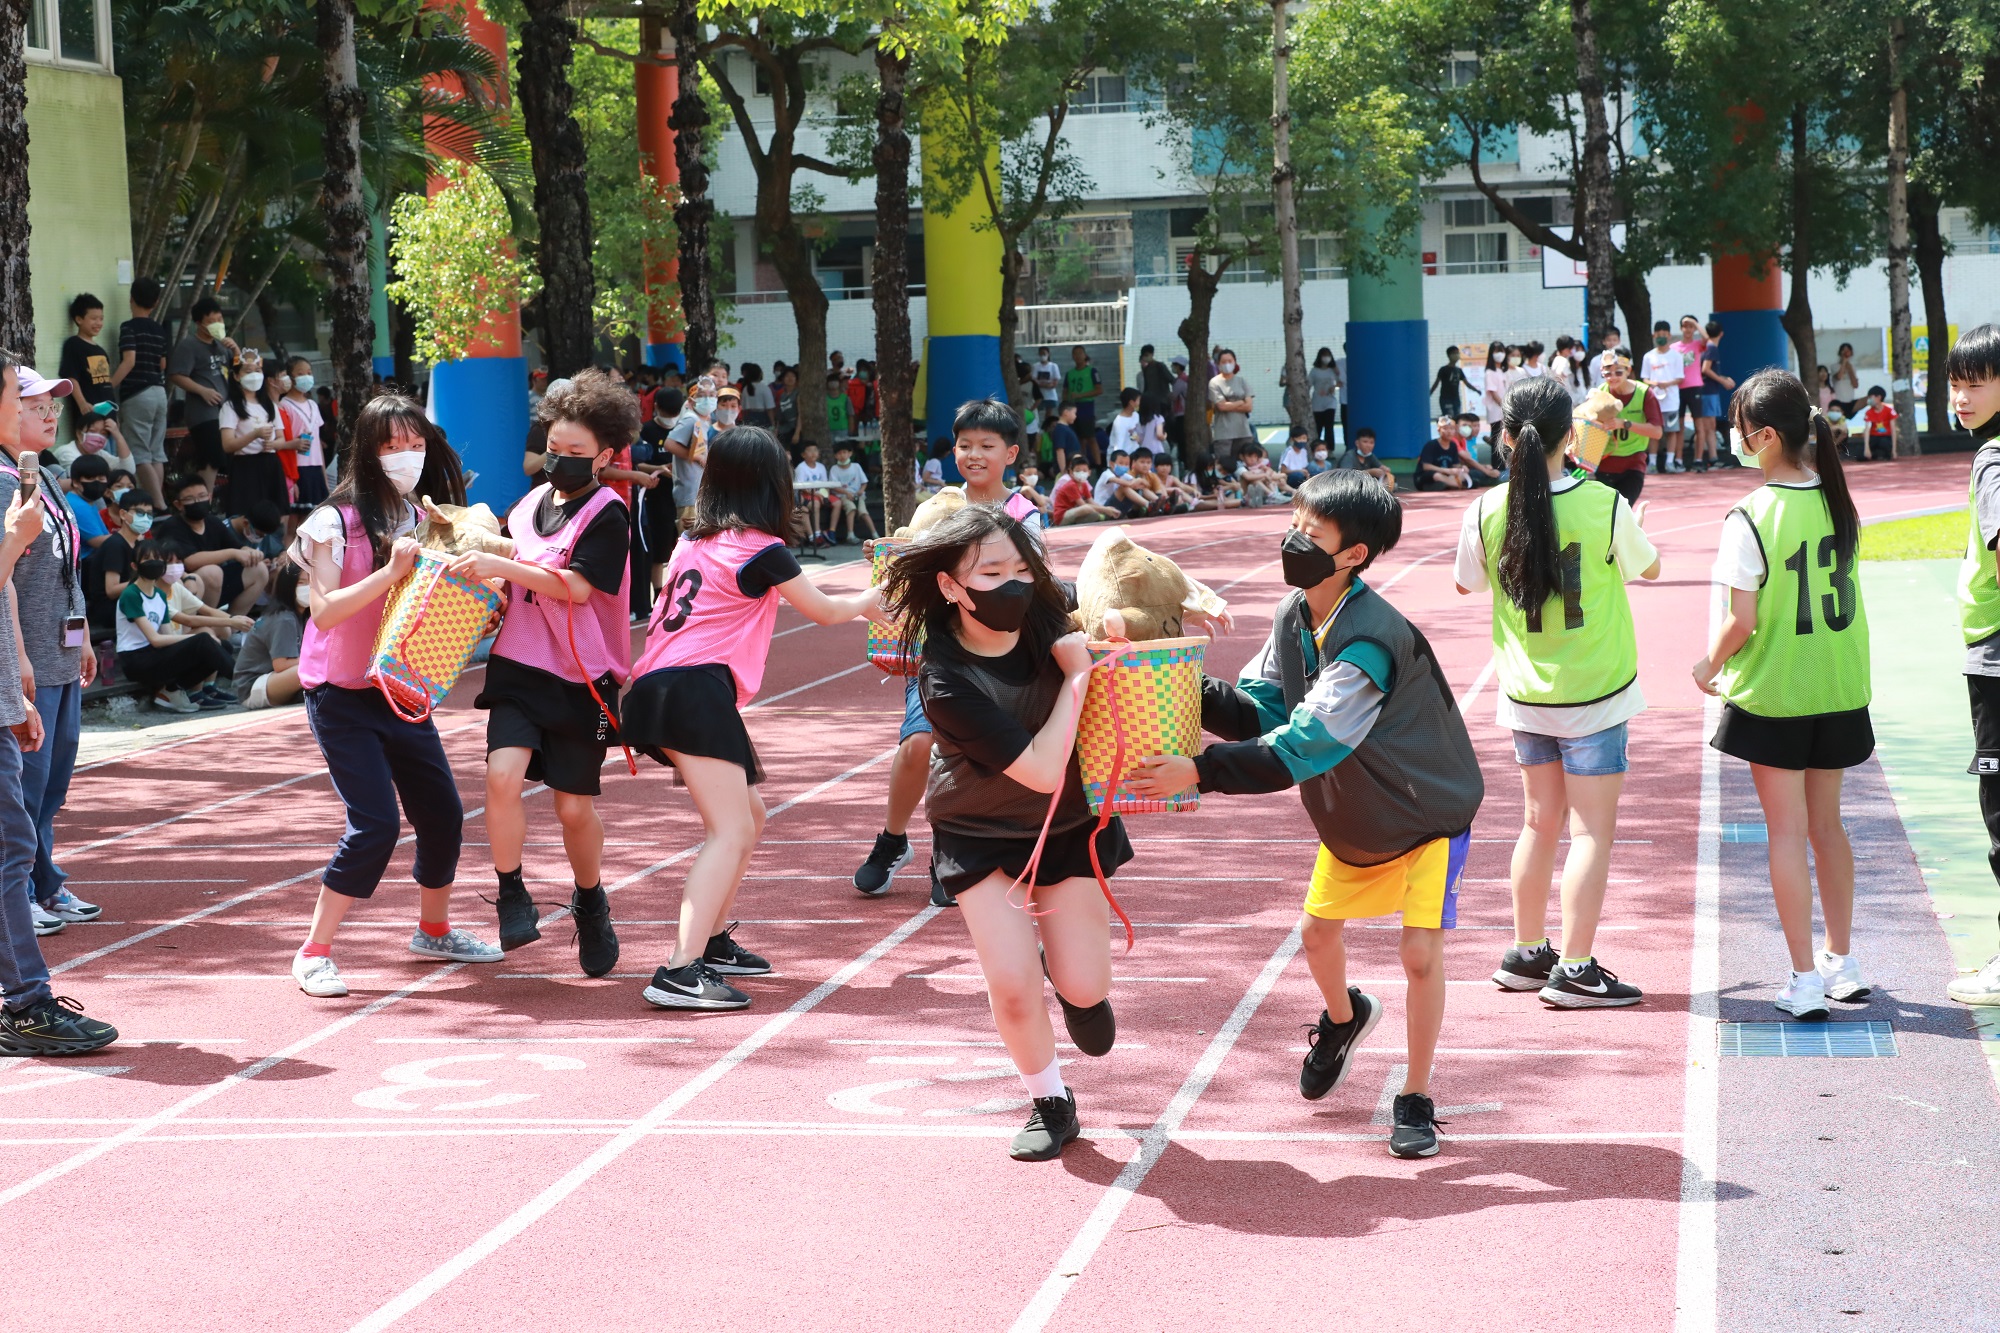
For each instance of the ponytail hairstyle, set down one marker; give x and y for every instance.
(1776, 399)
(1537, 418)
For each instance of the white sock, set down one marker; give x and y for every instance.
(1800, 976)
(1048, 1083)
(1836, 959)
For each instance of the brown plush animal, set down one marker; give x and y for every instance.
(934, 511)
(1125, 591)
(457, 529)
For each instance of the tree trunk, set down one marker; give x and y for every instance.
(1798, 316)
(17, 301)
(562, 203)
(1635, 306)
(692, 214)
(1201, 284)
(791, 255)
(1927, 239)
(1594, 173)
(1011, 264)
(1901, 353)
(893, 380)
(346, 212)
(1298, 399)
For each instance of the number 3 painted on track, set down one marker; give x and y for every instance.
(416, 1076)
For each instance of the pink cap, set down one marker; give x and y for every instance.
(33, 385)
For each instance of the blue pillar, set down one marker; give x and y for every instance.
(1388, 344)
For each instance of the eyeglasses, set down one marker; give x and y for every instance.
(51, 408)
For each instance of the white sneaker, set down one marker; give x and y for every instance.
(1804, 997)
(1983, 987)
(1841, 976)
(72, 908)
(46, 922)
(455, 946)
(318, 977)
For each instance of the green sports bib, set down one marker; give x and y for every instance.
(1978, 588)
(1578, 647)
(1632, 414)
(1809, 652)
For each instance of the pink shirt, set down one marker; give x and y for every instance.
(1692, 350)
(703, 617)
(548, 635)
(340, 656)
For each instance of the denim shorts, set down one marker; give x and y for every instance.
(914, 721)
(1598, 755)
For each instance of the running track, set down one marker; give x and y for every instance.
(516, 1147)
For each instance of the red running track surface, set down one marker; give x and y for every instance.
(513, 1146)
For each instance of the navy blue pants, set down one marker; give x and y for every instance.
(374, 757)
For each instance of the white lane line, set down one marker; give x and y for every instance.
(169, 880)
(809, 685)
(532, 1041)
(1509, 1051)
(529, 1213)
(943, 1041)
(1478, 684)
(139, 1129)
(1152, 1144)
(980, 977)
(180, 1041)
(228, 976)
(1695, 1268)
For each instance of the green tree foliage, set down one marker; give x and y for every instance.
(455, 261)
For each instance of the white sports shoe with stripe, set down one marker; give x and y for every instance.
(1982, 987)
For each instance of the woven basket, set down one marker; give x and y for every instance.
(1147, 702)
(885, 646)
(430, 626)
(1591, 442)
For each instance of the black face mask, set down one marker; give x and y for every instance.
(1305, 564)
(195, 512)
(152, 569)
(94, 490)
(568, 473)
(1003, 609)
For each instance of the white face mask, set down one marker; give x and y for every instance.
(1227, 367)
(705, 406)
(725, 416)
(214, 330)
(1319, 455)
(252, 380)
(304, 384)
(305, 598)
(175, 571)
(404, 469)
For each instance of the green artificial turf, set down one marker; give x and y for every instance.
(1928, 537)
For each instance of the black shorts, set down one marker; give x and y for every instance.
(1820, 740)
(963, 860)
(557, 719)
(659, 525)
(204, 446)
(689, 710)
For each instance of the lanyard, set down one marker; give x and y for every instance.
(65, 538)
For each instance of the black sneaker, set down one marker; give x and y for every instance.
(941, 896)
(207, 701)
(220, 695)
(1332, 1043)
(1526, 971)
(731, 959)
(1050, 1127)
(695, 986)
(1593, 988)
(1415, 1134)
(596, 942)
(54, 1026)
(520, 922)
(891, 853)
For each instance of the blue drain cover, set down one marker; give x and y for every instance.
(1869, 1040)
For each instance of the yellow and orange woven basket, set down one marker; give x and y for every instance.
(1143, 699)
(431, 624)
(885, 646)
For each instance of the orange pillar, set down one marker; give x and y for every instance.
(656, 86)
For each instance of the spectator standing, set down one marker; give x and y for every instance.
(1690, 345)
(1231, 402)
(1156, 384)
(1067, 449)
(760, 405)
(141, 381)
(200, 368)
(87, 368)
(252, 437)
(787, 411)
(1323, 382)
(1177, 408)
(703, 414)
(32, 1021)
(1125, 426)
(1612, 341)
(1662, 370)
(1847, 381)
(658, 520)
(1081, 387)
(1048, 383)
(1708, 400)
(232, 572)
(308, 430)
(1449, 382)
(1493, 380)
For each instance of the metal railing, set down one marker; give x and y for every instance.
(832, 294)
(1090, 322)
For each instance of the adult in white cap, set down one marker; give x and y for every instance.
(33, 1021)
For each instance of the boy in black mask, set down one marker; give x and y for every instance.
(1347, 702)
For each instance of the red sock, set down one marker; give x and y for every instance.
(311, 950)
(437, 930)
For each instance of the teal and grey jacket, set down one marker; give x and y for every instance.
(1363, 722)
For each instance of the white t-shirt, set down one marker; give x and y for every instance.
(850, 475)
(1048, 379)
(253, 414)
(1665, 365)
(155, 608)
(1125, 431)
(1295, 459)
(1739, 556)
(806, 474)
(1634, 553)
(1107, 486)
(321, 544)
(305, 417)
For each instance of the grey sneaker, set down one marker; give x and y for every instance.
(454, 947)
(46, 922)
(175, 701)
(72, 908)
(318, 977)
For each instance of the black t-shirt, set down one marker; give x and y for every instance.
(112, 556)
(174, 533)
(89, 368)
(1438, 454)
(603, 552)
(652, 446)
(770, 567)
(966, 715)
(146, 339)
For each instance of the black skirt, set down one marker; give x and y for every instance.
(312, 490)
(1817, 740)
(254, 477)
(689, 710)
(963, 860)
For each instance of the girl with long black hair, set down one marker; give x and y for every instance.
(1557, 549)
(1001, 679)
(354, 549)
(1791, 660)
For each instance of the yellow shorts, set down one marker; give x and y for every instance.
(1421, 884)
